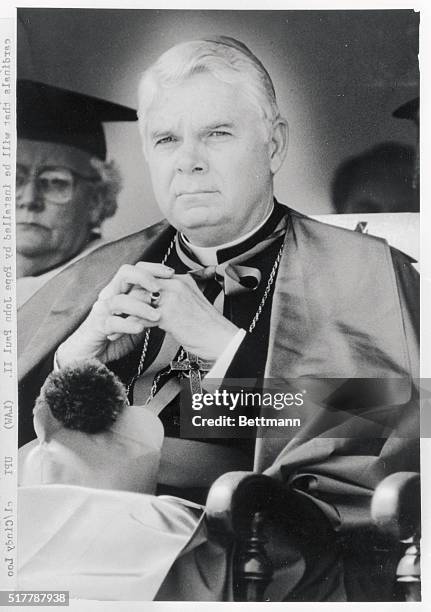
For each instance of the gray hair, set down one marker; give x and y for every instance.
(106, 187)
(225, 58)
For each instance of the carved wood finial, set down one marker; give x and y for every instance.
(409, 571)
(253, 567)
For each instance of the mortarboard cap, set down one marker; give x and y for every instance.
(51, 114)
(409, 110)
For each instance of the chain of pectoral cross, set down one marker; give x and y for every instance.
(188, 364)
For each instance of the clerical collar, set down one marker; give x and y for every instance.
(211, 256)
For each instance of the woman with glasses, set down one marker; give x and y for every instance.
(65, 188)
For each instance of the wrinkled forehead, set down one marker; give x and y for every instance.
(201, 100)
(39, 154)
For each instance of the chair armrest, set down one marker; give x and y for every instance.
(396, 510)
(235, 496)
(240, 507)
(396, 507)
(235, 514)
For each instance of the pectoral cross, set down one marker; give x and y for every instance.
(192, 367)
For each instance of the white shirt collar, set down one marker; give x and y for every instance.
(208, 255)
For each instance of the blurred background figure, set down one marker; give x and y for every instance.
(410, 111)
(381, 179)
(65, 188)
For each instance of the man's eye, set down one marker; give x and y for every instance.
(165, 140)
(218, 133)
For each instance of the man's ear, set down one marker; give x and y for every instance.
(278, 144)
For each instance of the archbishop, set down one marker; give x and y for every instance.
(237, 285)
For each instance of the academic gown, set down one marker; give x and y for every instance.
(344, 305)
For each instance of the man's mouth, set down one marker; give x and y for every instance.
(197, 192)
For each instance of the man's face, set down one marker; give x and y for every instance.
(210, 159)
(50, 230)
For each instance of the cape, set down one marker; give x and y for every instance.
(345, 306)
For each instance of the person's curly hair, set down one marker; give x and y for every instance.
(85, 396)
(106, 188)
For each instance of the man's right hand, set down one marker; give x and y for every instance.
(106, 335)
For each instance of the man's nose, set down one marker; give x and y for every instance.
(29, 197)
(191, 158)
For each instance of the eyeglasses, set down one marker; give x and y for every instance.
(55, 185)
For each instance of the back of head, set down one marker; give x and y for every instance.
(381, 179)
(88, 434)
(85, 396)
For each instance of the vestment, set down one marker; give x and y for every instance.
(342, 307)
